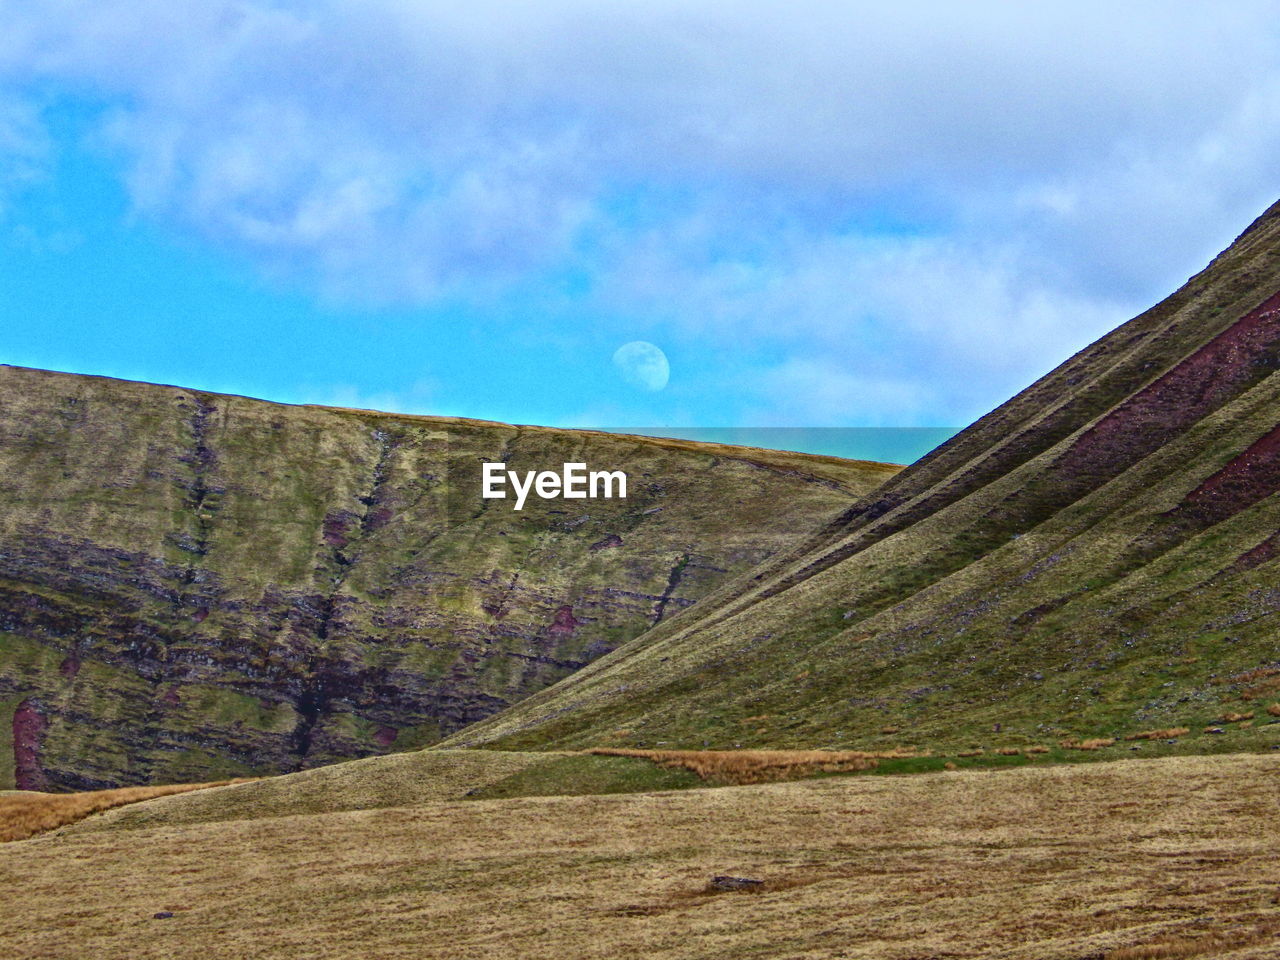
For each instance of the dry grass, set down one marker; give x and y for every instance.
(741, 767)
(1268, 686)
(1165, 733)
(1254, 675)
(1235, 717)
(1094, 744)
(1262, 681)
(1011, 751)
(25, 814)
(1213, 944)
(1032, 863)
(1274, 709)
(396, 780)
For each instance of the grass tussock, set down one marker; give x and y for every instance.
(760, 766)
(1235, 717)
(1274, 710)
(1254, 675)
(1012, 751)
(1260, 689)
(24, 815)
(1165, 733)
(1094, 744)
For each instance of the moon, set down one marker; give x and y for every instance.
(642, 365)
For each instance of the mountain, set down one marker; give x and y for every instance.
(196, 586)
(1097, 558)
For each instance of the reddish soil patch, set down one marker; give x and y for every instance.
(335, 528)
(1213, 375)
(1252, 476)
(564, 621)
(385, 736)
(1258, 555)
(377, 518)
(29, 725)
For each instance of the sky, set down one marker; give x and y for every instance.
(822, 214)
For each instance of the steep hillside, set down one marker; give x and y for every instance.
(195, 586)
(1095, 558)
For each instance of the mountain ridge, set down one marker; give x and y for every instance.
(197, 585)
(1140, 445)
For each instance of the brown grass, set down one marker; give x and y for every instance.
(1093, 744)
(1262, 689)
(1258, 673)
(1165, 733)
(759, 766)
(1236, 717)
(1214, 944)
(1013, 751)
(970, 753)
(1274, 710)
(25, 814)
(1037, 863)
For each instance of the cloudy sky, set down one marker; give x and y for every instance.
(824, 214)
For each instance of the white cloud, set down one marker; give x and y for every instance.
(24, 148)
(942, 187)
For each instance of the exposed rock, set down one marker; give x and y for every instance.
(195, 586)
(727, 883)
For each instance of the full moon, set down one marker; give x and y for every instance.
(642, 365)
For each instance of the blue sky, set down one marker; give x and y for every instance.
(826, 215)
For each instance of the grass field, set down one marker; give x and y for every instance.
(1133, 859)
(26, 813)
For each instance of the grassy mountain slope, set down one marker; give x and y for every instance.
(196, 586)
(1095, 558)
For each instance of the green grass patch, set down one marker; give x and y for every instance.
(577, 775)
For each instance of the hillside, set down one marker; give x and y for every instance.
(1094, 559)
(1133, 860)
(196, 586)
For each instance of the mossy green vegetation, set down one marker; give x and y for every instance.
(203, 584)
